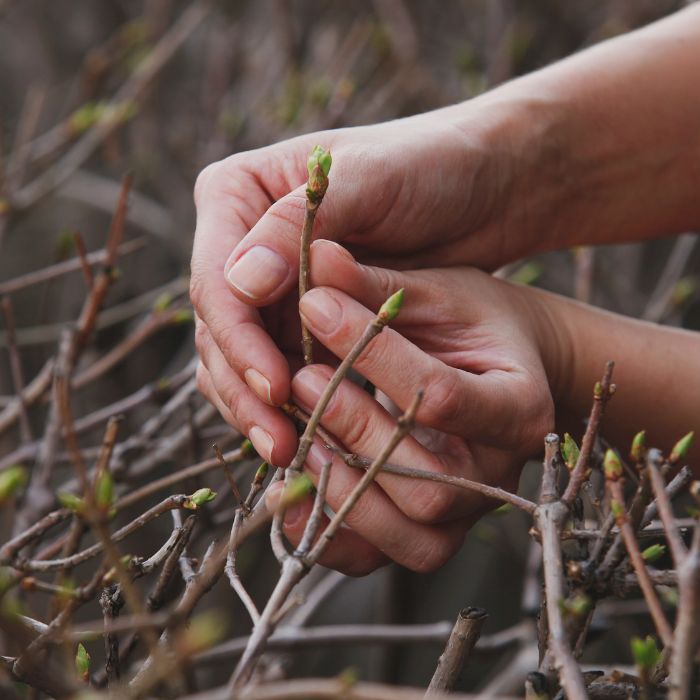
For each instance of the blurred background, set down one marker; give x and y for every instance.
(91, 89)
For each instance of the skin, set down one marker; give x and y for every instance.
(602, 147)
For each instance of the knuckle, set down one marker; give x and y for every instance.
(358, 430)
(430, 503)
(362, 566)
(442, 403)
(197, 288)
(203, 183)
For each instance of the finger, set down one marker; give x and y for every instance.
(272, 434)
(347, 552)
(265, 265)
(455, 401)
(376, 518)
(222, 196)
(365, 427)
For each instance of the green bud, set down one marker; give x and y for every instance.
(391, 307)
(11, 481)
(72, 502)
(653, 553)
(612, 466)
(578, 606)
(296, 490)
(247, 448)
(183, 316)
(569, 451)
(203, 631)
(680, 449)
(86, 116)
(199, 498)
(638, 451)
(163, 302)
(645, 652)
(349, 677)
(318, 165)
(82, 663)
(104, 491)
(261, 473)
(618, 510)
(598, 390)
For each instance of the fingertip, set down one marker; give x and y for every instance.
(257, 275)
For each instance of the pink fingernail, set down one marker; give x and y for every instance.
(262, 442)
(308, 386)
(258, 272)
(321, 311)
(259, 384)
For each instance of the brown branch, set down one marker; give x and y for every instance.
(601, 393)
(357, 461)
(551, 515)
(627, 532)
(85, 268)
(16, 368)
(304, 248)
(464, 636)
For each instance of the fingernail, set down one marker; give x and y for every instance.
(258, 272)
(262, 442)
(258, 383)
(339, 249)
(317, 458)
(320, 311)
(308, 387)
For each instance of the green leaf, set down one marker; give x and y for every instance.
(569, 451)
(12, 480)
(645, 652)
(680, 449)
(391, 307)
(104, 491)
(612, 466)
(296, 490)
(199, 498)
(72, 502)
(82, 663)
(653, 553)
(318, 166)
(638, 451)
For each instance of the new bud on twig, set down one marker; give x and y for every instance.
(569, 451)
(199, 498)
(612, 466)
(318, 165)
(82, 663)
(653, 553)
(72, 502)
(12, 480)
(104, 491)
(261, 473)
(247, 449)
(295, 490)
(680, 449)
(638, 451)
(391, 307)
(646, 654)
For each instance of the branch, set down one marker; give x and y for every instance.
(463, 638)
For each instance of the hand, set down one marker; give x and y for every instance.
(396, 190)
(474, 345)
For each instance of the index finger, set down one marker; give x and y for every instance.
(227, 200)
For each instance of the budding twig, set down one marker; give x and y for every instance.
(318, 165)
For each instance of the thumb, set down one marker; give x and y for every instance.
(264, 266)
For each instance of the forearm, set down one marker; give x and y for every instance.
(657, 371)
(602, 147)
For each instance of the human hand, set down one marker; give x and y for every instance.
(416, 192)
(474, 345)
